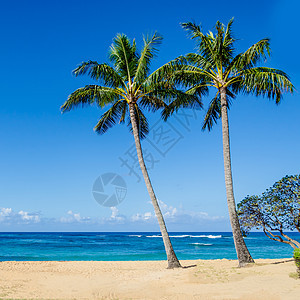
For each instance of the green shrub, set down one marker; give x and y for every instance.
(297, 260)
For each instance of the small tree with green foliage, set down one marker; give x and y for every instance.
(297, 260)
(275, 212)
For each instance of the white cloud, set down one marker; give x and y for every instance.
(74, 217)
(115, 216)
(7, 215)
(142, 217)
(177, 217)
(5, 212)
(114, 212)
(28, 217)
(171, 212)
(168, 211)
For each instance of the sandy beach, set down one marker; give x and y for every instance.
(200, 279)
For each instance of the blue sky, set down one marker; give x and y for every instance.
(49, 161)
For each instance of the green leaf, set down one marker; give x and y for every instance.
(89, 95)
(115, 114)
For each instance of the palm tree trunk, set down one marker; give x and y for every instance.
(171, 256)
(242, 251)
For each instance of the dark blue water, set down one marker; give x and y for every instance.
(133, 246)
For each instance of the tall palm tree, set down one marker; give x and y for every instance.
(216, 66)
(128, 87)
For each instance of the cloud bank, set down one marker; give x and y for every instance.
(176, 218)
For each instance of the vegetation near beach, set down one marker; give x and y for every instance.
(297, 260)
(277, 210)
(128, 88)
(216, 65)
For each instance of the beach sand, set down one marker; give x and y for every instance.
(208, 279)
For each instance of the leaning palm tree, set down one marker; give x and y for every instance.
(216, 66)
(128, 87)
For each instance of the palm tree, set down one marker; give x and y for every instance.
(128, 87)
(216, 66)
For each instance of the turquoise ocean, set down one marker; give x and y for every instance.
(114, 246)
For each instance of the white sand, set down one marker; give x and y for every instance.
(209, 279)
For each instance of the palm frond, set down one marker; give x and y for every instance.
(199, 90)
(206, 43)
(90, 94)
(178, 100)
(216, 66)
(151, 103)
(102, 72)
(218, 47)
(216, 51)
(193, 29)
(149, 51)
(268, 82)
(213, 113)
(229, 40)
(252, 56)
(228, 37)
(190, 75)
(124, 56)
(224, 45)
(165, 72)
(115, 114)
(199, 61)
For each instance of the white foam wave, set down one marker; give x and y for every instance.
(188, 235)
(136, 235)
(202, 244)
(207, 236)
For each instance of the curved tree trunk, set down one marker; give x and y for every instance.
(171, 256)
(242, 251)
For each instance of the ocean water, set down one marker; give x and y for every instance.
(104, 246)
